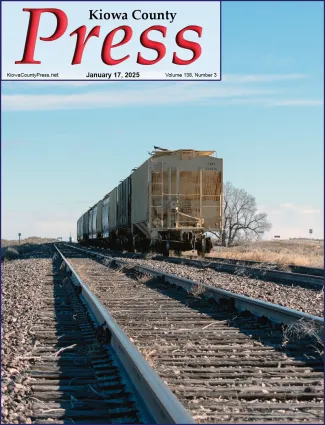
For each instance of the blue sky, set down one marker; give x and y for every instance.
(65, 145)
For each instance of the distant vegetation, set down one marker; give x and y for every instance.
(11, 250)
(29, 240)
(300, 252)
(242, 221)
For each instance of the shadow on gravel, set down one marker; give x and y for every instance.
(303, 349)
(68, 384)
(78, 381)
(64, 373)
(65, 386)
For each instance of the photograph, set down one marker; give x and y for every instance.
(162, 212)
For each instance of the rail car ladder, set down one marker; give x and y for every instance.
(156, 168)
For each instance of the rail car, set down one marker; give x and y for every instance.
(170, 202)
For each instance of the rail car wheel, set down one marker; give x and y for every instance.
(140, 244)
(165, 249)
(208, 245)
(137, 243)
(200, 248)
(119, 245)
(130, 243)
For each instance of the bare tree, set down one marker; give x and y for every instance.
(242, 221)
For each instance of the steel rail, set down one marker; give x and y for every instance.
(156, 399)
(260, 273)
(298, 274)
(312, 271)
(273, 312)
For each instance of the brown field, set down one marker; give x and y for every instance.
(11, 250)
(299, 252)
(30, 240)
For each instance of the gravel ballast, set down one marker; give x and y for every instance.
(295, 297)
(21, 289)
(220, 371)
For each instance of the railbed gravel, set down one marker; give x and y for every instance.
(295, 297)
(172, 336)
(21, 290)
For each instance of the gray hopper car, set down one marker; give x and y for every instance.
(170, 202)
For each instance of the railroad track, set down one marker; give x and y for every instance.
(297, 275)
(298, 296)
(312, 271)
(305, 276)
(224, 365)
(85, 368)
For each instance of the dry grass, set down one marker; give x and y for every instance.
(31, 240)
(305, 329)
(299, 252)
(197, 290)
(11, 250)
(150, 356)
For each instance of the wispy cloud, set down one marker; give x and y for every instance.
(288, 206)
(310, 211)
(273, 102)
(299, 102)
(243, 89)
(262, 78)
(299, 209)
(134, 95)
